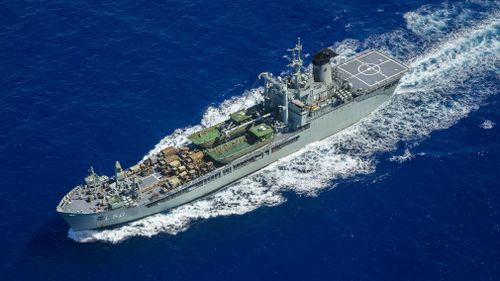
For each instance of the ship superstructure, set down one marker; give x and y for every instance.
(300, 108)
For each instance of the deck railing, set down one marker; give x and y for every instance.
(219, 171)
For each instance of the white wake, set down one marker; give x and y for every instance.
(442, 87)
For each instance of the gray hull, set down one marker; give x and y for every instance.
(321, 126)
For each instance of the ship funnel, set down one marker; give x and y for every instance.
(322, 69)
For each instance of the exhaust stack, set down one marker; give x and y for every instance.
(322, 69)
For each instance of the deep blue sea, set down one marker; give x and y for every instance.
(412, 192)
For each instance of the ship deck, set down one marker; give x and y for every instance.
(365, 72)
(370, 69)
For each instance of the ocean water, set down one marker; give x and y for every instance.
(412, 192)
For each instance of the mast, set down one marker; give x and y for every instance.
(297, 63)
(118, 170)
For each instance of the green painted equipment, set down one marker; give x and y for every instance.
(261, 130)
(206, 137)
(240, 116)
(240, 146)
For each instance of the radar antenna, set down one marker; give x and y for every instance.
(297, 62)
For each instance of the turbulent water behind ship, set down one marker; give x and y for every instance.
(449, 48)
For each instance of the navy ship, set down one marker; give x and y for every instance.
(306, 106)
